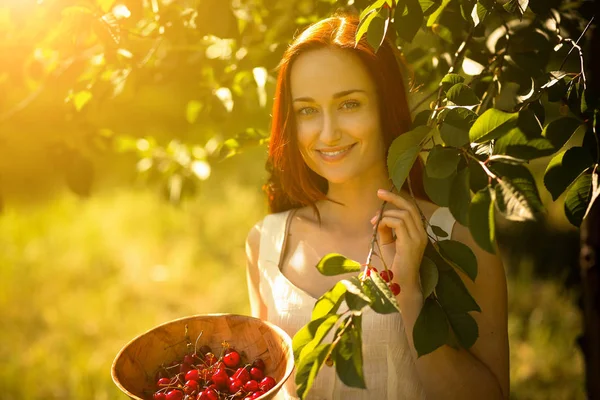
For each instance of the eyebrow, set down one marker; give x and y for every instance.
(335, 96)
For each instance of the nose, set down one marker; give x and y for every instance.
(330, 131)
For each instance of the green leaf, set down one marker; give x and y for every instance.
(408, 18)
(305, 335)
(450, 80)
(404, 151)
(322, 330)
(519, 177)
(513, 203)
(492, 124)
(336, 264)
(330, 301)
(355, 298)
(462, 95)
(431, 328)
(460, 197)
(452, 293)
(478, 178)
(465, 328)
(439, 232)
(517, 7)
(455, 127)
(529, 124)
(460, 255)
(560, 130)
(438, 190)
(479, 14)
(481, 220)
(435, 16)
(442, 162)
(429, 6)
(378, 28)
(373, 7)
(429, 276)
(348, 358)
(363, 26)
(308, 368)
(564, 168)
(382, 299)
(578, 198)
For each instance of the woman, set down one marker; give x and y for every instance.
(337, 109)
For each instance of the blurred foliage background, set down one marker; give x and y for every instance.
(132, 150)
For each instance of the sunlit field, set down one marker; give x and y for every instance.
(80, 278)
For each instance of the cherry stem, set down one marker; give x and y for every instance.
(374, 237)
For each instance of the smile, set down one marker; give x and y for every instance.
(335, 154)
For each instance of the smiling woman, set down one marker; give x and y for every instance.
(338, 107)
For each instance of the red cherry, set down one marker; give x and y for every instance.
(159, 396)
(205, 349)
(387, 275)
(267, 383)
(192, 375)
(190, 387)
(395, 288)
(259, 363)
(256, 374)
(256, 395)
(208, 394)
(232, 359)
(234, 385)
(174, 395)
(184, 368)
(163, 382)
(251, 386)
(220, 378)
(188, 359)
(242, 374)
(371, 269)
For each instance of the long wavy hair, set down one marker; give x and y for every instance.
(292, 183)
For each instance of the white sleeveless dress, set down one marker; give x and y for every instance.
(389, 369)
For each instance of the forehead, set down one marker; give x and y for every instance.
(320, 73)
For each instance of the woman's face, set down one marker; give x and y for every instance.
(337, 114)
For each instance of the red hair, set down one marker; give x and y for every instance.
(292, 183)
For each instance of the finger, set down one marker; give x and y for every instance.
(401, 203)
(404, 215)
(385, 229)
(386, 235)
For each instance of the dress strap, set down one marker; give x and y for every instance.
(272, 237)
(442, 217)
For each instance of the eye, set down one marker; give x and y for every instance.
(307, 111)
(350, 104)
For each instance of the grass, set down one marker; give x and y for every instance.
(80, 278)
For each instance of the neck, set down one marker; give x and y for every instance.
(359, 203)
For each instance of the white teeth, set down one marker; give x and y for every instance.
(335, 153)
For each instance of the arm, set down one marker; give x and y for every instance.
(483, 370)
(480, 372)
(257, 306)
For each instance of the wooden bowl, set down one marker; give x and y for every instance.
(134, 368)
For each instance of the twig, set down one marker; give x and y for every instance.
(375, 228)
(576, 44)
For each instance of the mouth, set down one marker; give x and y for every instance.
(335, 153)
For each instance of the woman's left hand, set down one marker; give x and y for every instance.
(407, 249)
